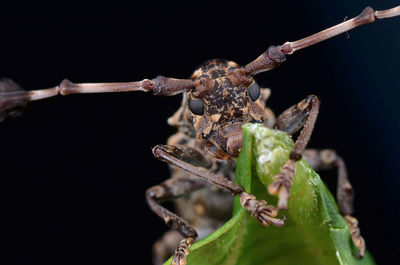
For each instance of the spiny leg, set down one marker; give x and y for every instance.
(303, 114)
(258, 208)
(184, 157)
(167, 190)
(326, 159)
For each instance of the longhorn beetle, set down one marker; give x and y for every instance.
(219, 97)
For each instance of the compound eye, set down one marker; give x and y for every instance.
(196, 106)
(254, 91)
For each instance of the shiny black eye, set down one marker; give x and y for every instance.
(196, 106)
(254, 91)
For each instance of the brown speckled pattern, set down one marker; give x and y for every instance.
(224, 104)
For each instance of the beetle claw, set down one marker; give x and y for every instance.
(265, 214)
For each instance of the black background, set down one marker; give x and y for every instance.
(74, 169)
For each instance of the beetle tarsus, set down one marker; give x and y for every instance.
(182, 251)
(356, 235)
(282, 183)
(265, 214)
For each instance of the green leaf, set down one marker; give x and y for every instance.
(314, 232)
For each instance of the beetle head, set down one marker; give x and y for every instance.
(223, 99)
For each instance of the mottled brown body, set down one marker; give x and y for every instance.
(218, 99)
(225, 97)
(208, 134)
(226, 108)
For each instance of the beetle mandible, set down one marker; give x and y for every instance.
(218, 98)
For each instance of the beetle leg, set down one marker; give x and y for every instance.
(206, 210)
(173, 155)
(184, 157)
(167, 190)
(303, 114)
(326, 159)
(170, 189)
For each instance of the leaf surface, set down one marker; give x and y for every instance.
(314, 233)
